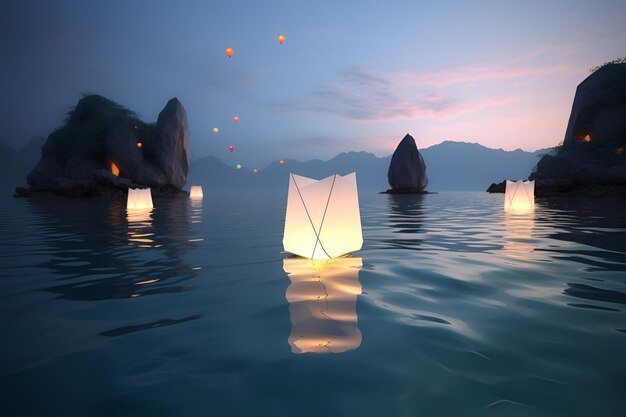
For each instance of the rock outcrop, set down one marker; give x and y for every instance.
(593, 155)
(407, 170)
(104, 147)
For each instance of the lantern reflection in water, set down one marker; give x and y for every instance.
(322, 304)
(140, 229)
(518, 236)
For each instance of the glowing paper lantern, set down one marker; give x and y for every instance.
(238, 166)
(139, 199)
(229, 52)
(519, 196)
(323, 219)
(282, 162)
(215, 130)
(195, 192)
(139, 145)
(231, 148)
(255, 171)
(322, 300)
(236, 119)
(281, 39)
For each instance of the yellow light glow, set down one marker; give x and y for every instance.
(140, 229)
(518, 234)
(323, 219)
(215, 130)
(139, 199)
(238, 166)
(114, 169)
(195, 192)
(519, 196)
(281, 39)
(322, 299)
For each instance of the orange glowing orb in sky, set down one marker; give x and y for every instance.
(215, 130)
(254, 171)
(282, 162)
(236, 119)
(114, 169)
(229, 52)
(231, 148)
(281, 39)
(139, 145)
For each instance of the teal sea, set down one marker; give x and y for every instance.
(451, 308)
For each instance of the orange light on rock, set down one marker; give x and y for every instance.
(139, 145)
(281, 39)
(215, 130)
(229, 52)
(587, 138)
(620, 150)
(231, 148)
(236, 119)
(255, 171)
(114, 169)
(281, 162)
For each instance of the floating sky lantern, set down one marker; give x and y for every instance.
(323, 219)
(281, 39)
(195, 192)
(236, 119)
(139, 145)
(255, 171)
(229, 52)
(281, 162)
(519, 196)
(115, 169)
(238, 166)
(322, 299)
(215, 130)
(231, 148)
(139, 199)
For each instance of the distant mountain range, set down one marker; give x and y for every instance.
(451, 166)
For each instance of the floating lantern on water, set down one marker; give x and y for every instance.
(519, 196)
(139, 145)
(229, 52)
(281, 162)
(281, 39)
(323, 219)
(139, 199)
(322, 300)
(236, 119)
(114, 169)
(238, 166)
(231, 148)
(215, 130)
(195, 192)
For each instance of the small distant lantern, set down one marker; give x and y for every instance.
(281, 39)
(323, 219)
(281, 162)
(229, 52)
(215, 130)
(195, 192)
(139, 145)
(114, 169)
(231, 148)
(255, 171)
(238, 166)
(620, 150)
(519, 196)
(236, 119)
(139, 199)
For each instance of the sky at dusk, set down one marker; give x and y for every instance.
(350, 75)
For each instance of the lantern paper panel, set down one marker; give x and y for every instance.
(323, 219)
(139, 199)
(195, 192)
(322, 300)
(519, 196)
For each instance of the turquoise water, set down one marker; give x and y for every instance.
(452, 308)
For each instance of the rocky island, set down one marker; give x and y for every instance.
(592, 159)
(407, 170)
(104, 148)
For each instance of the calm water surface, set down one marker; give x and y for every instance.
(452, 308)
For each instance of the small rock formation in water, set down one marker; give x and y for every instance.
(104, 148)
(592, 160)
(407, 170)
